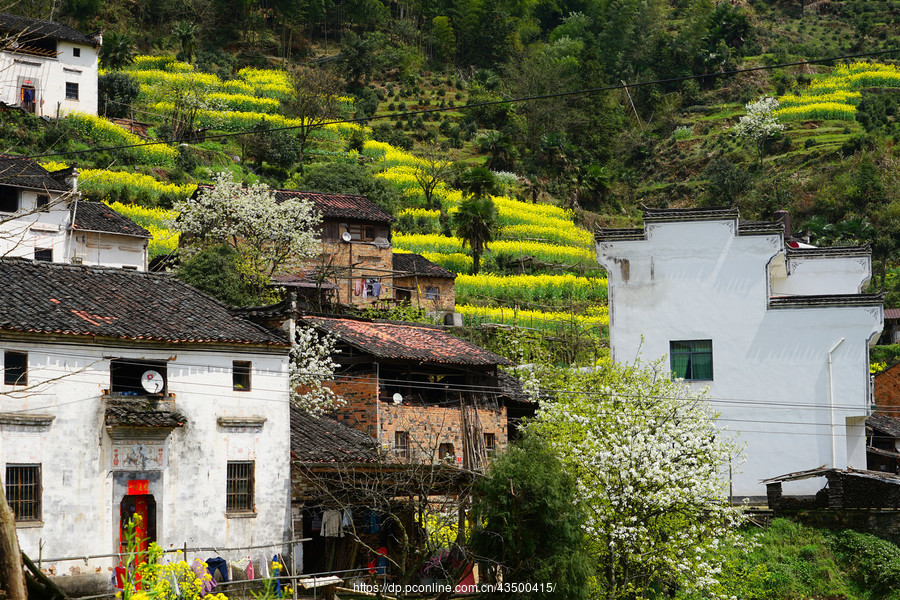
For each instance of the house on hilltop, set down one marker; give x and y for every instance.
(129, 392)
(778, 335)
(42, 217)
(47, 68)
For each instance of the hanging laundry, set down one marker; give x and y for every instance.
(347, 520)
(217, 564)
(376, 288)
(358, 288)
(316, 522)
(201, 571)
(276, 571)
(264, 566)
(331, 524)
(245, 565)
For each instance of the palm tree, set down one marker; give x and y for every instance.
(117, 51)
(476, 217)
(185, 32)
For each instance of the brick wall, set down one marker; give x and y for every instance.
(360, 412)
(446, 300)
(887, 391)
(430, 426)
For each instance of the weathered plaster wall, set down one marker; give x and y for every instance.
(771, 378)
(82, 488)
(807, 275)
(109, 250)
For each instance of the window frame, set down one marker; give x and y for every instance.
(239, 501)
(490, 442)
(73, 92)
(41, 254)
(401, 443)
(239, 373)
(76, 52)
(42, 203)
(692, 354)
(22, 378)
(11, 483)
(447, 450)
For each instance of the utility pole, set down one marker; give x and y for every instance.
(12, 576)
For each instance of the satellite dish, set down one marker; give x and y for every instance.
(398, 398)
(152, 382)
(346, 236)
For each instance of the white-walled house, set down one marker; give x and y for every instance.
(42, 217)
(130, 392)
(47, 68)
(779, 336)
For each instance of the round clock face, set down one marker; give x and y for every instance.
(152, 381)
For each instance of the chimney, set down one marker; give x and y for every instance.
(785, 217)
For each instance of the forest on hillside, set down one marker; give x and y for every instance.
(586, 110)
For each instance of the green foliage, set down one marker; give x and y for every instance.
(726, 182)
(872, 563)
(118, 91)
(345, 178)
(476, 217)
(530, 525)
(117, 50)
(279, 148)
(220, 272)
(888, 354)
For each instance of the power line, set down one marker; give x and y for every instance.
(586, 91)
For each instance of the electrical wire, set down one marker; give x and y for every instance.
(586, 91)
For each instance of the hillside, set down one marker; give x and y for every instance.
(401, 81)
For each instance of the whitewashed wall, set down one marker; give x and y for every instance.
(109, 250)
(82, 489)
(49, 77)
(694, 280)
(35, 230)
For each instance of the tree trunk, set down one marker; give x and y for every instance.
(12, 578)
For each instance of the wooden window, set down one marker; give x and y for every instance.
(15, 368)
(71, 90)
(490, 442)
(43, 202)
(240, 375)
(43, 254)
(691, 359)
(446, 452)
(76, 52)
(401, 443)
(432, 293)
(239, 488)
(23, 491)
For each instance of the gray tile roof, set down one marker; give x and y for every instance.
(18, 171)
(325, 440)
(96, 216)
(138, 412)
(39, 297)
(416, 264)
(39, 28)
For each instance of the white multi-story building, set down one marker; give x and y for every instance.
(47, 68)
(42, 217)
(778, 335)
(127, 393)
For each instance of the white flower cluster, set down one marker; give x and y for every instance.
(648, 461)
(760, 122)
(267, 233)
(311, 366)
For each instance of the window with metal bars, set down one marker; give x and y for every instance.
(23, 491)
(240, 484)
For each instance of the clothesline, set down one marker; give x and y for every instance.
(185, 549)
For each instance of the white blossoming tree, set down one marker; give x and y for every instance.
(311, 366)
(648, 460)
(269, 235)
(759, 124)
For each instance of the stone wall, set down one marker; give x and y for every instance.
(418, 286)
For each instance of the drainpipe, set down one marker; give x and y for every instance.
(831, 399)
(378, 406)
